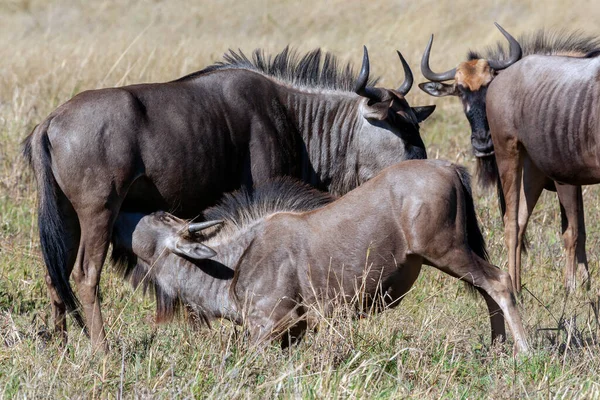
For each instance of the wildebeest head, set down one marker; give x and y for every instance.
(471, 81)
(160, 233)
(388, 109)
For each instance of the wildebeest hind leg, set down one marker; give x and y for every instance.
(466, 265)
(59, 311)
(95, 238)
(573, 231)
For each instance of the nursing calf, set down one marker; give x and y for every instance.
(267, 268)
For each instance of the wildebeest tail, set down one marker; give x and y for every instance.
(51, 222)
(474, 236)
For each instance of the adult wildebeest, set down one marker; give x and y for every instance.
(270, 268)
(472, 79)
(179, 145)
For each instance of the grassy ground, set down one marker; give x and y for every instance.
(435, 345)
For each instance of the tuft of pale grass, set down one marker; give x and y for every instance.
(435, 344)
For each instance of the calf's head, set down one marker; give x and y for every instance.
(156, 235)
(471, 81)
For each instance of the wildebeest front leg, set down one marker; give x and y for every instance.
(95, 238)
(509, 161)
(530, 190)
(276, 318)
(573, 231)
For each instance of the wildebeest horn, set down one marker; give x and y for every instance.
(428, 73)
(408, 76)
(515, 52)
(363, 77)
(198, 226)
(361, 83)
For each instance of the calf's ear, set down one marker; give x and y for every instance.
(192, 250)
(439, 89)
(423, 112)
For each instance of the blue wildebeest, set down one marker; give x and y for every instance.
(269, 267)
(472, 82)
(179, 145)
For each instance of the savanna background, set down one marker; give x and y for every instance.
(436, 344)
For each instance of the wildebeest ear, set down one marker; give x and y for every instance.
(423, 112)
(377, 110)
(439, 89)
(192, 250)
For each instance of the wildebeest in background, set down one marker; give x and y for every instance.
(472, 80)
(179, 145)
(365, 249)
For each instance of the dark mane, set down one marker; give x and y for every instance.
(574, 43)
(317, 69)
(246, 205)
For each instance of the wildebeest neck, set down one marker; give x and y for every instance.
(327, 123)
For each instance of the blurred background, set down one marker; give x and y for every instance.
(52, 50)
(112, 42)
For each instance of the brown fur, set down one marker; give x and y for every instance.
(474, 74)
(180, 145)
(355, 251)
(544, 119)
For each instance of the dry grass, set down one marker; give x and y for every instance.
(434, 345)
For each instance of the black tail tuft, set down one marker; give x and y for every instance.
(26, 149)
(474, 235)
(487, 171)
(52, 226)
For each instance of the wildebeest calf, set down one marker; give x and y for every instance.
(267, 268)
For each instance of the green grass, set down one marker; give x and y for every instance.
(435, 345)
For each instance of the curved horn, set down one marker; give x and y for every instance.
(360, 88)
(363, 77)
(408, 76)
(198, 226)
(428, 73)
(515, 52)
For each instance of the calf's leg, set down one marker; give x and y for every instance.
(466, 265)
(275, 317)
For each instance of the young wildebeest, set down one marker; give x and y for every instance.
(179, 145)
(366, 249)
(472, 80)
